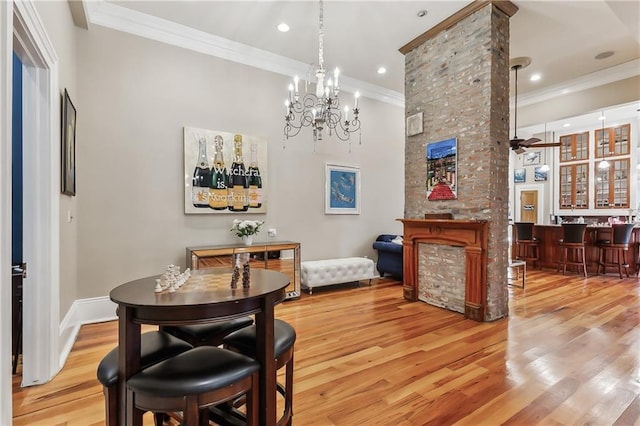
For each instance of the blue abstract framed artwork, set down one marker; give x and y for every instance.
(342, 189)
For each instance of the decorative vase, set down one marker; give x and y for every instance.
(247, 240)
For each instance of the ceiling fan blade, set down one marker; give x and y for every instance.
(545, 145)
(530, 141)
(519, 150)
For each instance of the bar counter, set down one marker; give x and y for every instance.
(550, 252)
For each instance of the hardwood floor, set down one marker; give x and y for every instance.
(569, 353)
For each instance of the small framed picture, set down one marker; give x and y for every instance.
(414, 124)
(539, 175)
(68, 145)
(342, 189)
(519, 175)
(531, 158)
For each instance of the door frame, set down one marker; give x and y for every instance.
(541, 201)
(23, 32)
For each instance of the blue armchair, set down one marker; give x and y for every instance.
(389, 256)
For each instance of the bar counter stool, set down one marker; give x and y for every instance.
(244, 341)
(527, 246)
(573, 240)
(155, 346)
(193, 381)
(619, 245)
(207, 334)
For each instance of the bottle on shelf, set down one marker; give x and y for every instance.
(218, 187)
(201, 176)
(238, 181)
(255, 180)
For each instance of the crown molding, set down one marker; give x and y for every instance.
(119, 18)
(130, 21)
(589, 81)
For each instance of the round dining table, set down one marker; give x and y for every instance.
(206, 297)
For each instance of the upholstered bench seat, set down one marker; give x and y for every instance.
(317, 273)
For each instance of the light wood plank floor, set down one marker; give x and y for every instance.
(569, 353)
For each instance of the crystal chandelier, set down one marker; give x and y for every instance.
(322, 109)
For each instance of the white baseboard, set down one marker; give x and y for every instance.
(83, 311)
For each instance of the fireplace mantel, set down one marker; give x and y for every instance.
(470, 234)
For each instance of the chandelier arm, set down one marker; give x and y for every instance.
(320, 111)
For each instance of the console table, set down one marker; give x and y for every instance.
(263, 255)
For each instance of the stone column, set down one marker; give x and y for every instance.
(457, 75)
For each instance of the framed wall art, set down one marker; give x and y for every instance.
(531, 158)
(342, 189)
(539, 175)
(414, 124)
(442, 170)
(68, 145)
(224, 172)
(519, 175)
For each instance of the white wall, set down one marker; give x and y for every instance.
(57, 20)
(135, 96)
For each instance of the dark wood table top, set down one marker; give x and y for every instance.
(207, 296)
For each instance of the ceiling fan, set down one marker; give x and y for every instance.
(517, 144)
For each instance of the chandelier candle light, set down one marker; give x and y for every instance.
(322, 109)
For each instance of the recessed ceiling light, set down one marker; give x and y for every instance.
(604, 55)
(566, 125)
(422, 13)
(535, 77)
(382, 70)
(283, 28)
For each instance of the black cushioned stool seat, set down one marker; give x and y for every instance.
(208, 334)
(573, 241)
(244, 341)
(155, 346)
(194, 380)
(618, 245)
(527, 246)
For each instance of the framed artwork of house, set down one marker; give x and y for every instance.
(442, 170)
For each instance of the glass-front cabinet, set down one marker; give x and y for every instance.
(574, 147)
(612, 141)
(579, 173)
(612, 185)
(574, 186)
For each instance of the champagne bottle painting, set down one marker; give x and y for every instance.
(224, 172)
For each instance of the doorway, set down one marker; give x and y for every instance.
(17, 264)
(22, 32)
(529, 206)
(529, 203)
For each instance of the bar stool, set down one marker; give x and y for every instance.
(194, 380)
(207, 334)
(155, 346)
(573, 240)
(619, 245)
(244, 341)
(527, 246)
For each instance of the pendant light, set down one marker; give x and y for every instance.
(545, 166)
(604, 164)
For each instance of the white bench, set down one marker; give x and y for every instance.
(317, 273)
